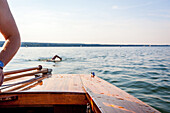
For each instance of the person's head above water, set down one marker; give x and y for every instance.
(56, 56)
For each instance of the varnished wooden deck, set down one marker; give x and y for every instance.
(103, 96)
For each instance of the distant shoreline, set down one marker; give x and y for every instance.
(37, 44)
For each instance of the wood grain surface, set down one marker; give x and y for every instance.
(74, 88)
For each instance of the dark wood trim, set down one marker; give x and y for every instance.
(42, 99)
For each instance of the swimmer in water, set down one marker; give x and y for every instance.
(56, 56)
(52, 59)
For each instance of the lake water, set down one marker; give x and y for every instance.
(144, 72)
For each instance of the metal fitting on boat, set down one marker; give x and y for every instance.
(39, 67)
(88, 109)
(92, 74)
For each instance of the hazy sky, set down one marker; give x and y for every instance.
(93, 21)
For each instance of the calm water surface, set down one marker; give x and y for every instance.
(144, 72)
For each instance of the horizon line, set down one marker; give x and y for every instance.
(89, 43)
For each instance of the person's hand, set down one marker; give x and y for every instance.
(1, 77)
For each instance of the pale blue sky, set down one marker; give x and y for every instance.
(93, 21)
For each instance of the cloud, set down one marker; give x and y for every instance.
(115, 7)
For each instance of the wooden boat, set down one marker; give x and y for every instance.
(35, 90)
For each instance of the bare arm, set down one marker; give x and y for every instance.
(10, 32)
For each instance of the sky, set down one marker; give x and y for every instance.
(93, 21)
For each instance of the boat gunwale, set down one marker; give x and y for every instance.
(41, 92)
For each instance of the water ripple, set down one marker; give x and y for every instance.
(142, 72)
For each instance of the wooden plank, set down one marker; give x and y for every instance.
(103, 96)
(22, 80)
(37, 99)
(26, 74)
(15, 82)
(55, 83)
(23, 85)
(22, 70)
(32, 86)
(109, 98)
(60, 83)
